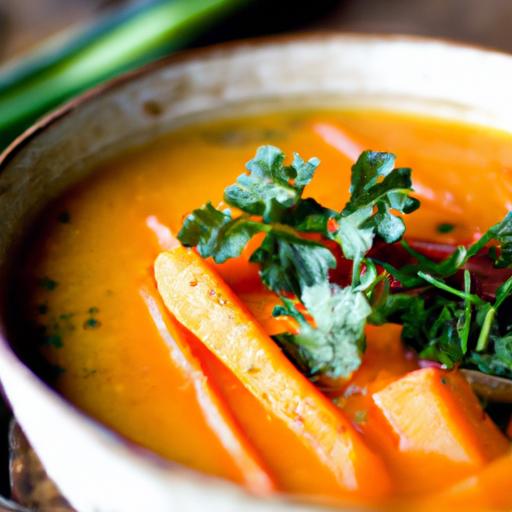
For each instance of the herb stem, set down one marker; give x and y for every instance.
(474, 299)
(467, 313)
(356, 273)
(483, 338)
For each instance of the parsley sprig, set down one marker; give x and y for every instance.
(270, 199)
(442, 316)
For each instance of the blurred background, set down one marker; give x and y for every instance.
(51, 50)
(24, 23)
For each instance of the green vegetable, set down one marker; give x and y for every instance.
(120, 42)
(440, 319)
(453, 326)
(47, 283)
(270, 197)
(376, 188)
(91, 323)
(216, 233)
(334, 346)
(445, 228)
(270, 188)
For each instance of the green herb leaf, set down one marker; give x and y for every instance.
(498, 361)
(376, 189)
(445, 227)
(290, 264)
(270, 188)
(215, 233)
(442, 319)
(334, 346)
(47, 283)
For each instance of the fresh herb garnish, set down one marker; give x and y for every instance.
(445, 227)
(334, 345)
(47, 283)
(376, 189)
(91, 323)
(270, 197)
(437, 301)
(54, 340)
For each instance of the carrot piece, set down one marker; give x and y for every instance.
(216, 412)
(206, 306)
(437, 417)
(487, 490)
(261, 305)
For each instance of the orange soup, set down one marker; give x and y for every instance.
(90, 297)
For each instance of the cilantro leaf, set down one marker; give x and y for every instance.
(215, 233)
(439, 304)
(389, 193)
(498, 361)
(270, 188)
(309, 216)
(502, 233)
(377, 189)
(334, 345)
(289, 263)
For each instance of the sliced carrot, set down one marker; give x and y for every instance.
(216, 413)
(487, 490)
(339, 138)
(299, 471)
(205, 305)
(439, 426)
(295, 468)
(261, 304)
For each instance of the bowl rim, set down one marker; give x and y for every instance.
(191, 54)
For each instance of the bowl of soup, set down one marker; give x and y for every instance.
(170, 386)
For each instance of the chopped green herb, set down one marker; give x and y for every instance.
(93, 310)
(91, 323)
(89, 372)
(270, 198)
(55, 340)
(445, 227)
(377, 189)
(335, 345)
(47, 283)
(441, 319)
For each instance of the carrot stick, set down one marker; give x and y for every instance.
(215, 411)
(199, 299)
(348, 146)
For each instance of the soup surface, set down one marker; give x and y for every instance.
(90, 295)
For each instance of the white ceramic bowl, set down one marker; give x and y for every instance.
(96, 469)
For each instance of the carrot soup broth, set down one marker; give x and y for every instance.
(89, 292)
